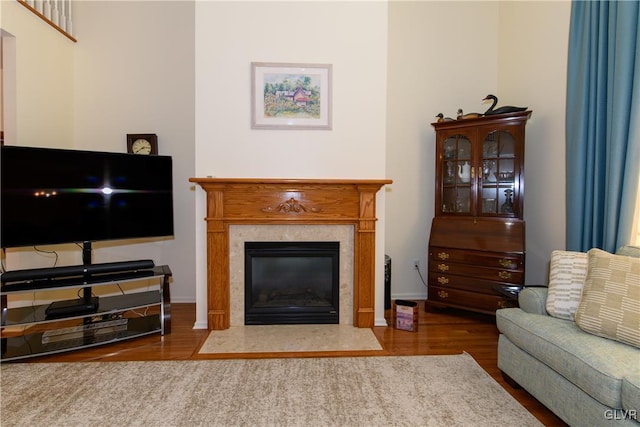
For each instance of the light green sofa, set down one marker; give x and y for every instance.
(585, 379)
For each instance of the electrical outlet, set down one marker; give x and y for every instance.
(416, 264)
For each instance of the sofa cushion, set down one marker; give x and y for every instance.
(595, 365)
(610, 305)
(631, 393)
(567, 273)
(532, 299)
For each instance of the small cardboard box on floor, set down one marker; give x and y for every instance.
(405, 315)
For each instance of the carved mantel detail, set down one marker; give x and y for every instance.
(292, 205)
(260, 201)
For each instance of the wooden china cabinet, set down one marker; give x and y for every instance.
(477, 245)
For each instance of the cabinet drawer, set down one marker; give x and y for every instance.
(488, 259)
(470, 284)
(472, 271)
(463, 299)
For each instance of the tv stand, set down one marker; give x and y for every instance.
(143, 307)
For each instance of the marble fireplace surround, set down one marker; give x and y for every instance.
(290, 202)
(238, 234)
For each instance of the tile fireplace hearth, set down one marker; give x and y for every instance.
(247, 201)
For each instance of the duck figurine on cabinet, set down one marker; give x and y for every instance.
(501, 110)
(464, 172)
(442, 118)
(462, 116)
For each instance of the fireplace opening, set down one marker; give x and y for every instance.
(292, 282)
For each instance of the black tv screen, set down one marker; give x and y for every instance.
(54, 196)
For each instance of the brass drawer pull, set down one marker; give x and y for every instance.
(443, 280)
(503, 304)
(443, 294)
(443, 255)
(505, 262)
(504, 275)
(443, 267)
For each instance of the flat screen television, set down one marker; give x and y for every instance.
(55, 196)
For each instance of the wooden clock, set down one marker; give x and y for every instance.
(142, 143)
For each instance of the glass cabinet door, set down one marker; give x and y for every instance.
(498, 174)
(457, 176)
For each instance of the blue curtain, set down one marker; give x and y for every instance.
(603, 123)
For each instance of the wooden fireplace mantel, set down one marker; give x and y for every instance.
(289, 201)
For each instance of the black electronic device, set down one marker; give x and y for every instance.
(71, 307)
(55, 196)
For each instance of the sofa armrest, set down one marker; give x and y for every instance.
(533, 299)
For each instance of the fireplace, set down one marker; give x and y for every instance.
(264, 201)
(292, 282)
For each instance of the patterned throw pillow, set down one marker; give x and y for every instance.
(567, 273)
(610, 305)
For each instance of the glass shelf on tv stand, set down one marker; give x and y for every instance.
(28, 332)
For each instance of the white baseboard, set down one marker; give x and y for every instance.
(200, 325)
(380, 322)
(409, 296)
(183, 300)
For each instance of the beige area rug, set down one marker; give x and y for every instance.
(290, 338)
(334, 391)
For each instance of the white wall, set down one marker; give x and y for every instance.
(396, 66)
(445, 55)
(442, 56)
(44, 83)
(127, 73)
(229, 36)
(37, 98)
(533, 50)
(134, 73)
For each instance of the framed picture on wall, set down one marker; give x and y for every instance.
(290, 96)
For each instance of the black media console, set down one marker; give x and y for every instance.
(141, 308)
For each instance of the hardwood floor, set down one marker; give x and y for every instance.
(439, 332)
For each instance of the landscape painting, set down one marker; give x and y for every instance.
(291, 96)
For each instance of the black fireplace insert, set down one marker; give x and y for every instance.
(292, 282)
